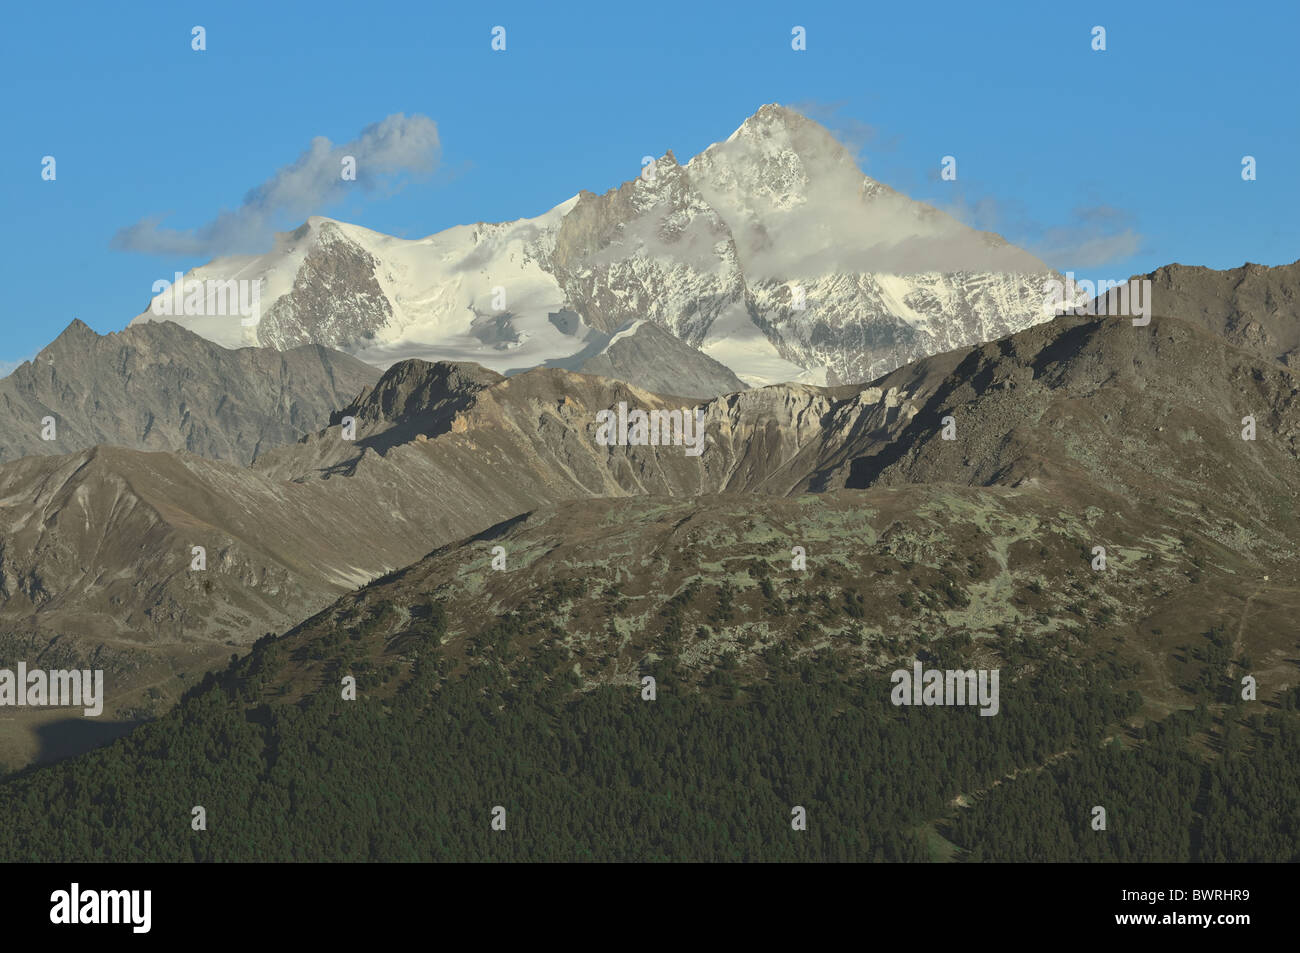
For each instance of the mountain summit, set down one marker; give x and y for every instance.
(799, 207)
(159, 387)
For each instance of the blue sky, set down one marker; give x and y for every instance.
(1105, 163)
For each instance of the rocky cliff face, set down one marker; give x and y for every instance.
(651, 249)
(335, 297)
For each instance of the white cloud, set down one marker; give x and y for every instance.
(384, 153)
(1094, 235)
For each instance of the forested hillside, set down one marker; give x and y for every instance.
(522, 690)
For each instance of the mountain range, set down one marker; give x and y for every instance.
(1116, 427)
(770, 252)
(1080, 506)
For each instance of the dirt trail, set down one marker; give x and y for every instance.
(965, 799)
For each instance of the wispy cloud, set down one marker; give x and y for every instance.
(861, 138)
(1087, 246)
(1092, 236)
(386, 153)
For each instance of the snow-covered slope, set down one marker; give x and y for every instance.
(770, 252)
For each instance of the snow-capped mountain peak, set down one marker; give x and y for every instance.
(799, 206)
(770, 251)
